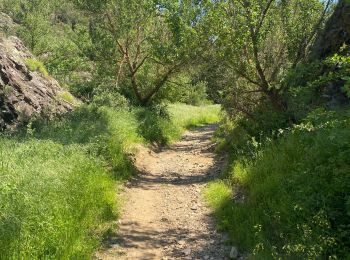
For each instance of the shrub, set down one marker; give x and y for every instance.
(110, 99)
(164, 125)
(197, 94)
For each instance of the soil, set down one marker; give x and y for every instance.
(165, 216)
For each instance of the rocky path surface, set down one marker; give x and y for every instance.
(164, 216)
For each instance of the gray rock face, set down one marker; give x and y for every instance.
(25, 94)
(335, 34)
(6, 23)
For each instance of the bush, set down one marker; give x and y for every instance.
(68, 97)
(110, 99)
(197, 94)
(156, 126)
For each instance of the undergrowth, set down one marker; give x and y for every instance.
(298, 193)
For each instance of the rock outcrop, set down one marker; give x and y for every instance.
(7, 25)
(335, 34)
(25, 94)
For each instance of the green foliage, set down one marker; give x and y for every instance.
(182, 91)
(35, 65)
(198, 94)
(255, 43)
(141, 45)
(156, 126)
(317, 84)
(57, 34)
(286, 193)
(107, 133)
(108, 95)
(295, 192)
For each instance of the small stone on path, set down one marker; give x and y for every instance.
(233, 253)
(187, 251)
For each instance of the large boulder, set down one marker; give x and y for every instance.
(26, 93)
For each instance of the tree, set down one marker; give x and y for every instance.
(32, 16)
(145, 42)
(259, 40)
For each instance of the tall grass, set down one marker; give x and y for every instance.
(52, 198)
(58, 183)
(58, 179)
(297, 193)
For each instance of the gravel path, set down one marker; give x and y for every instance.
(164, 216)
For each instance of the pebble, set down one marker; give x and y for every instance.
(194, 208)
(233, 253)
(181, 242)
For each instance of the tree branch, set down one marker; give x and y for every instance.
(263, 16)
(307, 39)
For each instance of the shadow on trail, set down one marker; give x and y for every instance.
(146, 179)
(196, 175)
(164, 239)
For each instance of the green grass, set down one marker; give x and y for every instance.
(297, 191)
(52, 199)
(186, 116)
(35, 65)
(68, 97)
(58, 179)
(168, 128)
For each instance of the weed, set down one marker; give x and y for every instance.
(35, 65)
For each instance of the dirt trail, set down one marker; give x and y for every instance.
(164, 216)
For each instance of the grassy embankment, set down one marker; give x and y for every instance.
(297, 192)
(58, 180)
